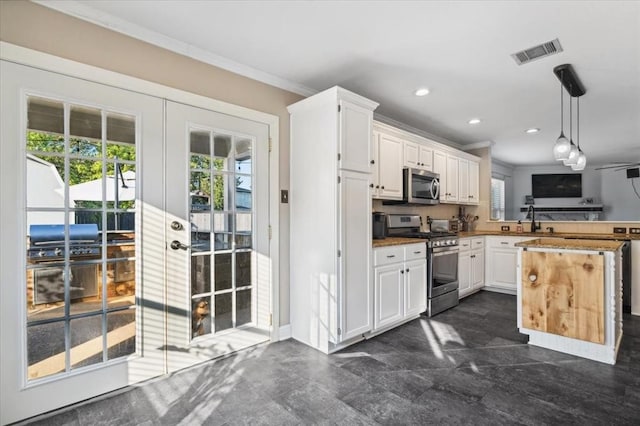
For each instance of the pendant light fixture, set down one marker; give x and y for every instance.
(573, 152)
(562, 147)
(582, 159)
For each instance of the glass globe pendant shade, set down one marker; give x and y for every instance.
(580, 163)
(573, 155)
(562, 148)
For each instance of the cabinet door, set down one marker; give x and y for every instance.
(375, 167)
(411, 155)
(477, 269)
(463, 182)
(425, 159)
(355, 137)
(390, 167)
(474, 182)
(501, 268)
(388, 302)
(452, 178)
(440, 167)
(355, 246)
(415, 294)
(464, 273)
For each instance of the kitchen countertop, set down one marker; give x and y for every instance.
(396, 241)
(571, 244)
(569, 235)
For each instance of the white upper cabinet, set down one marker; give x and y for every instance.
(389, 184)
(440, 167)
(474, 182)
(463, 180)
(355, 126)
(452, 181)
(417, 156)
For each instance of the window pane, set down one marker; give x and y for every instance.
(200, 274)
(85, 180)
(243, 193)
(122, 128)
(223, 313)
(86, 341)
(45, 350)
(221, 192)
(121, 333)
(243, 307)
(121, 275)
(222, 227)
(200, 143)
(200, 232)
(222, 272)
(243, 269)
(222, 152)
(85, 122)
(84, 289)
(45, 182)
(47, 116)
(243, 156)
(200, 317)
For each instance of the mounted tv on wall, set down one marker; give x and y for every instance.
(565, 185)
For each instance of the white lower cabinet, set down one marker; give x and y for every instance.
(501, 263)
(471, 265)
(400, 284)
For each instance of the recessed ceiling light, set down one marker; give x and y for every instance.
(422, 92)
(474, 121)
(532, 130)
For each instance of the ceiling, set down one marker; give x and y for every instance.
(386, 50)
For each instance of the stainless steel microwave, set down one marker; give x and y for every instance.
(419, 187)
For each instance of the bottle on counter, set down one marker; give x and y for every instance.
(519, 227)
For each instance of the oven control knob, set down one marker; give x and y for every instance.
(41, 253)
(57, 251)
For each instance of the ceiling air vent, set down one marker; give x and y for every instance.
(536, 52)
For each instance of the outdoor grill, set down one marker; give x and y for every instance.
(47, 242)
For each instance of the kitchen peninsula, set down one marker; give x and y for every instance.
(570, 296)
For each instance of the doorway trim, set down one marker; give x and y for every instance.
(47, 62)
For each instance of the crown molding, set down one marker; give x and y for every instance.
(477, 145)
(138, 32)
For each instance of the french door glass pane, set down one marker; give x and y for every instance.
(81, 250)
(221, 199)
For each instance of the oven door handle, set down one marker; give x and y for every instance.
(445, 252)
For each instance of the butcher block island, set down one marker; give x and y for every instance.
(570, 296)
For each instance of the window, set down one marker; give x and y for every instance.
(497, 199)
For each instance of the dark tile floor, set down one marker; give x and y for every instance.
(468, 365)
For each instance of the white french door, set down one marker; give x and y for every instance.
(217, 223)
(82, 291)
(134, 238)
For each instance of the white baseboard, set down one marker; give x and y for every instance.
(285, 332)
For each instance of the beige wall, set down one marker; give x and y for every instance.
(36, 27)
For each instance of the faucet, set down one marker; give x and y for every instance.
(532, 212)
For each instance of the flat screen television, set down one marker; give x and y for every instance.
(566, 185)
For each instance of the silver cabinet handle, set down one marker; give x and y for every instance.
(417, 252)
(391, 255)
(504, 242)
(177, 245)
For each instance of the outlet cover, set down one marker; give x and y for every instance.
(505, 228)
(284, 196)
(617, 230)
(634, 230)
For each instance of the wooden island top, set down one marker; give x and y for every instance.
(572, 244)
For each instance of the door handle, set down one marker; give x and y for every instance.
(177, 245)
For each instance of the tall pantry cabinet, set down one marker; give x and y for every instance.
(330, 208)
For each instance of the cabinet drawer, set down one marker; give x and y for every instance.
(465, 244)
(388, 255)
(415, 251)
(504, 242)
(477, 243)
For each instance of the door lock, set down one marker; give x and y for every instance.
(176, 226)
(177, 245)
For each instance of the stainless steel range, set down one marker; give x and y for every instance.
(442, 260)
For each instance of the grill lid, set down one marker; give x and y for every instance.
(41, 234)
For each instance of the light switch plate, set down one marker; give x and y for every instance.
(284, 196)
(634, 230)
(617, 230)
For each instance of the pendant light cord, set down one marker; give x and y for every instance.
(561, 104)
(578, 124)
(570, 117)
